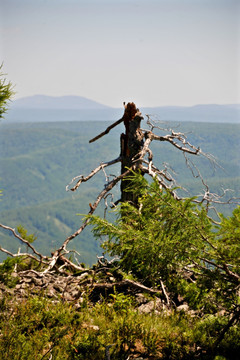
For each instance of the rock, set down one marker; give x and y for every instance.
(94, 327)
(22, 293)
(58, 288)
(141, 299)
(26, 280)
(67, 297)
(14, 275)
(77, 306)
(38, 282)
(75, 293)
(51, 293)
(183, 307)
(24, 285)
(5, 290)
(153, 305)
(90, 326)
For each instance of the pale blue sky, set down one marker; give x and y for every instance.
(153, 52)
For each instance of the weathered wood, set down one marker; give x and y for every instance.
(131, 144)
(107, 130)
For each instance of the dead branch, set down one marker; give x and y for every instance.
(65, 262)
(185, 145)
(42, 257)
(101, 195)
(152, 124)
(92, 173)
(164, 178)
(19, 254)
(162, 173)
(165, 292)
(161, 182)
(107, 130)
(130, 112)
(112, 203)
(122, 286)
(208, 197)
(145, 149)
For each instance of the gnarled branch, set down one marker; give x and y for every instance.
(92, 173)
(24, 241)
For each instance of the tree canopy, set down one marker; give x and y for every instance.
(174, 245)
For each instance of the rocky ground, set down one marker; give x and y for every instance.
(95, 284)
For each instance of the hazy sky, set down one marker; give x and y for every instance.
(153, 52)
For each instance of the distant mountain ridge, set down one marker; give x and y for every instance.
(42, 108)
(57, 102)
(229, 113)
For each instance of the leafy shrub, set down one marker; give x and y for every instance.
(6, 269)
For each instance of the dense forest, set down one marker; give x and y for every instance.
(38, 160)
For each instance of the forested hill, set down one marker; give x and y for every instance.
(38, 160)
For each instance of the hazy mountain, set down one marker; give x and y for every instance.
(57, 102)
(41, 108)
(199, 113)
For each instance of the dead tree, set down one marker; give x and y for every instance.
(131, 143)
(135, 156)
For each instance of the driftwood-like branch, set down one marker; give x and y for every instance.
(178, 140)
(209, 197)
(152, 124)
(123, 286)
(165, 292)
(161, 182)
(101, 195)
(107, 130)
(184, 145)
(92, 173)
(65, 262)
(24, 241)
(130, 112)
(19, 254)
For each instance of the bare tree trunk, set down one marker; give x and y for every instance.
(131, 145)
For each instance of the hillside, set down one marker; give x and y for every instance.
(38, 160)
